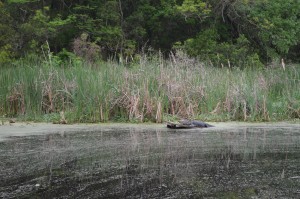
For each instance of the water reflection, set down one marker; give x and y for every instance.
(246, 162)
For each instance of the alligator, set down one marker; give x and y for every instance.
(188, 124)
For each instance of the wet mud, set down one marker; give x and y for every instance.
(134, 162)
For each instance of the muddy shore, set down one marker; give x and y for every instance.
(231, 160)
(29, 128)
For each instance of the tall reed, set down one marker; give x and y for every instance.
(153, 89)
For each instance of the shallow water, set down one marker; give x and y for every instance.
(135, 162)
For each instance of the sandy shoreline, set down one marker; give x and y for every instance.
(29, 128)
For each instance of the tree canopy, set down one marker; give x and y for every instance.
(221, 31)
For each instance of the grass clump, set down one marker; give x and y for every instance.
(153, 89)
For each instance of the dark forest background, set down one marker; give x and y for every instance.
(235, 32)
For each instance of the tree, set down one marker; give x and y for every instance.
(120, 28)
(271, 26)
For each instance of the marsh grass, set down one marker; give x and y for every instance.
(153, 89)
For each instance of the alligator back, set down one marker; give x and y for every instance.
(200, 124)
(183, 124)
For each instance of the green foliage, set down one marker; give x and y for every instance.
(272, 27)
(101, 20)
(203, 45)
(245, 34)
(197, 8)
(45, 28)
(105, 91)
(219, 31)
(21, 1)
(279, 23)
(238, 54)
(65, 58)
(6, 54)
(83, 48)
(207, 47)
(6, 36)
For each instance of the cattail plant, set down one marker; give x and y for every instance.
(153, 89)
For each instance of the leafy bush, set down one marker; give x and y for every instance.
(6, 54)
(238, 53)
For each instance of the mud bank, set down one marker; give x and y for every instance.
(231, 160)
(25, 129)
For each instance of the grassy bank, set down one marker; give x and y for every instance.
(150, 90)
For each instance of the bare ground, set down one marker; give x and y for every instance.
(28, 128)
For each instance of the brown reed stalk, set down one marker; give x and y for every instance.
(158, 116)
